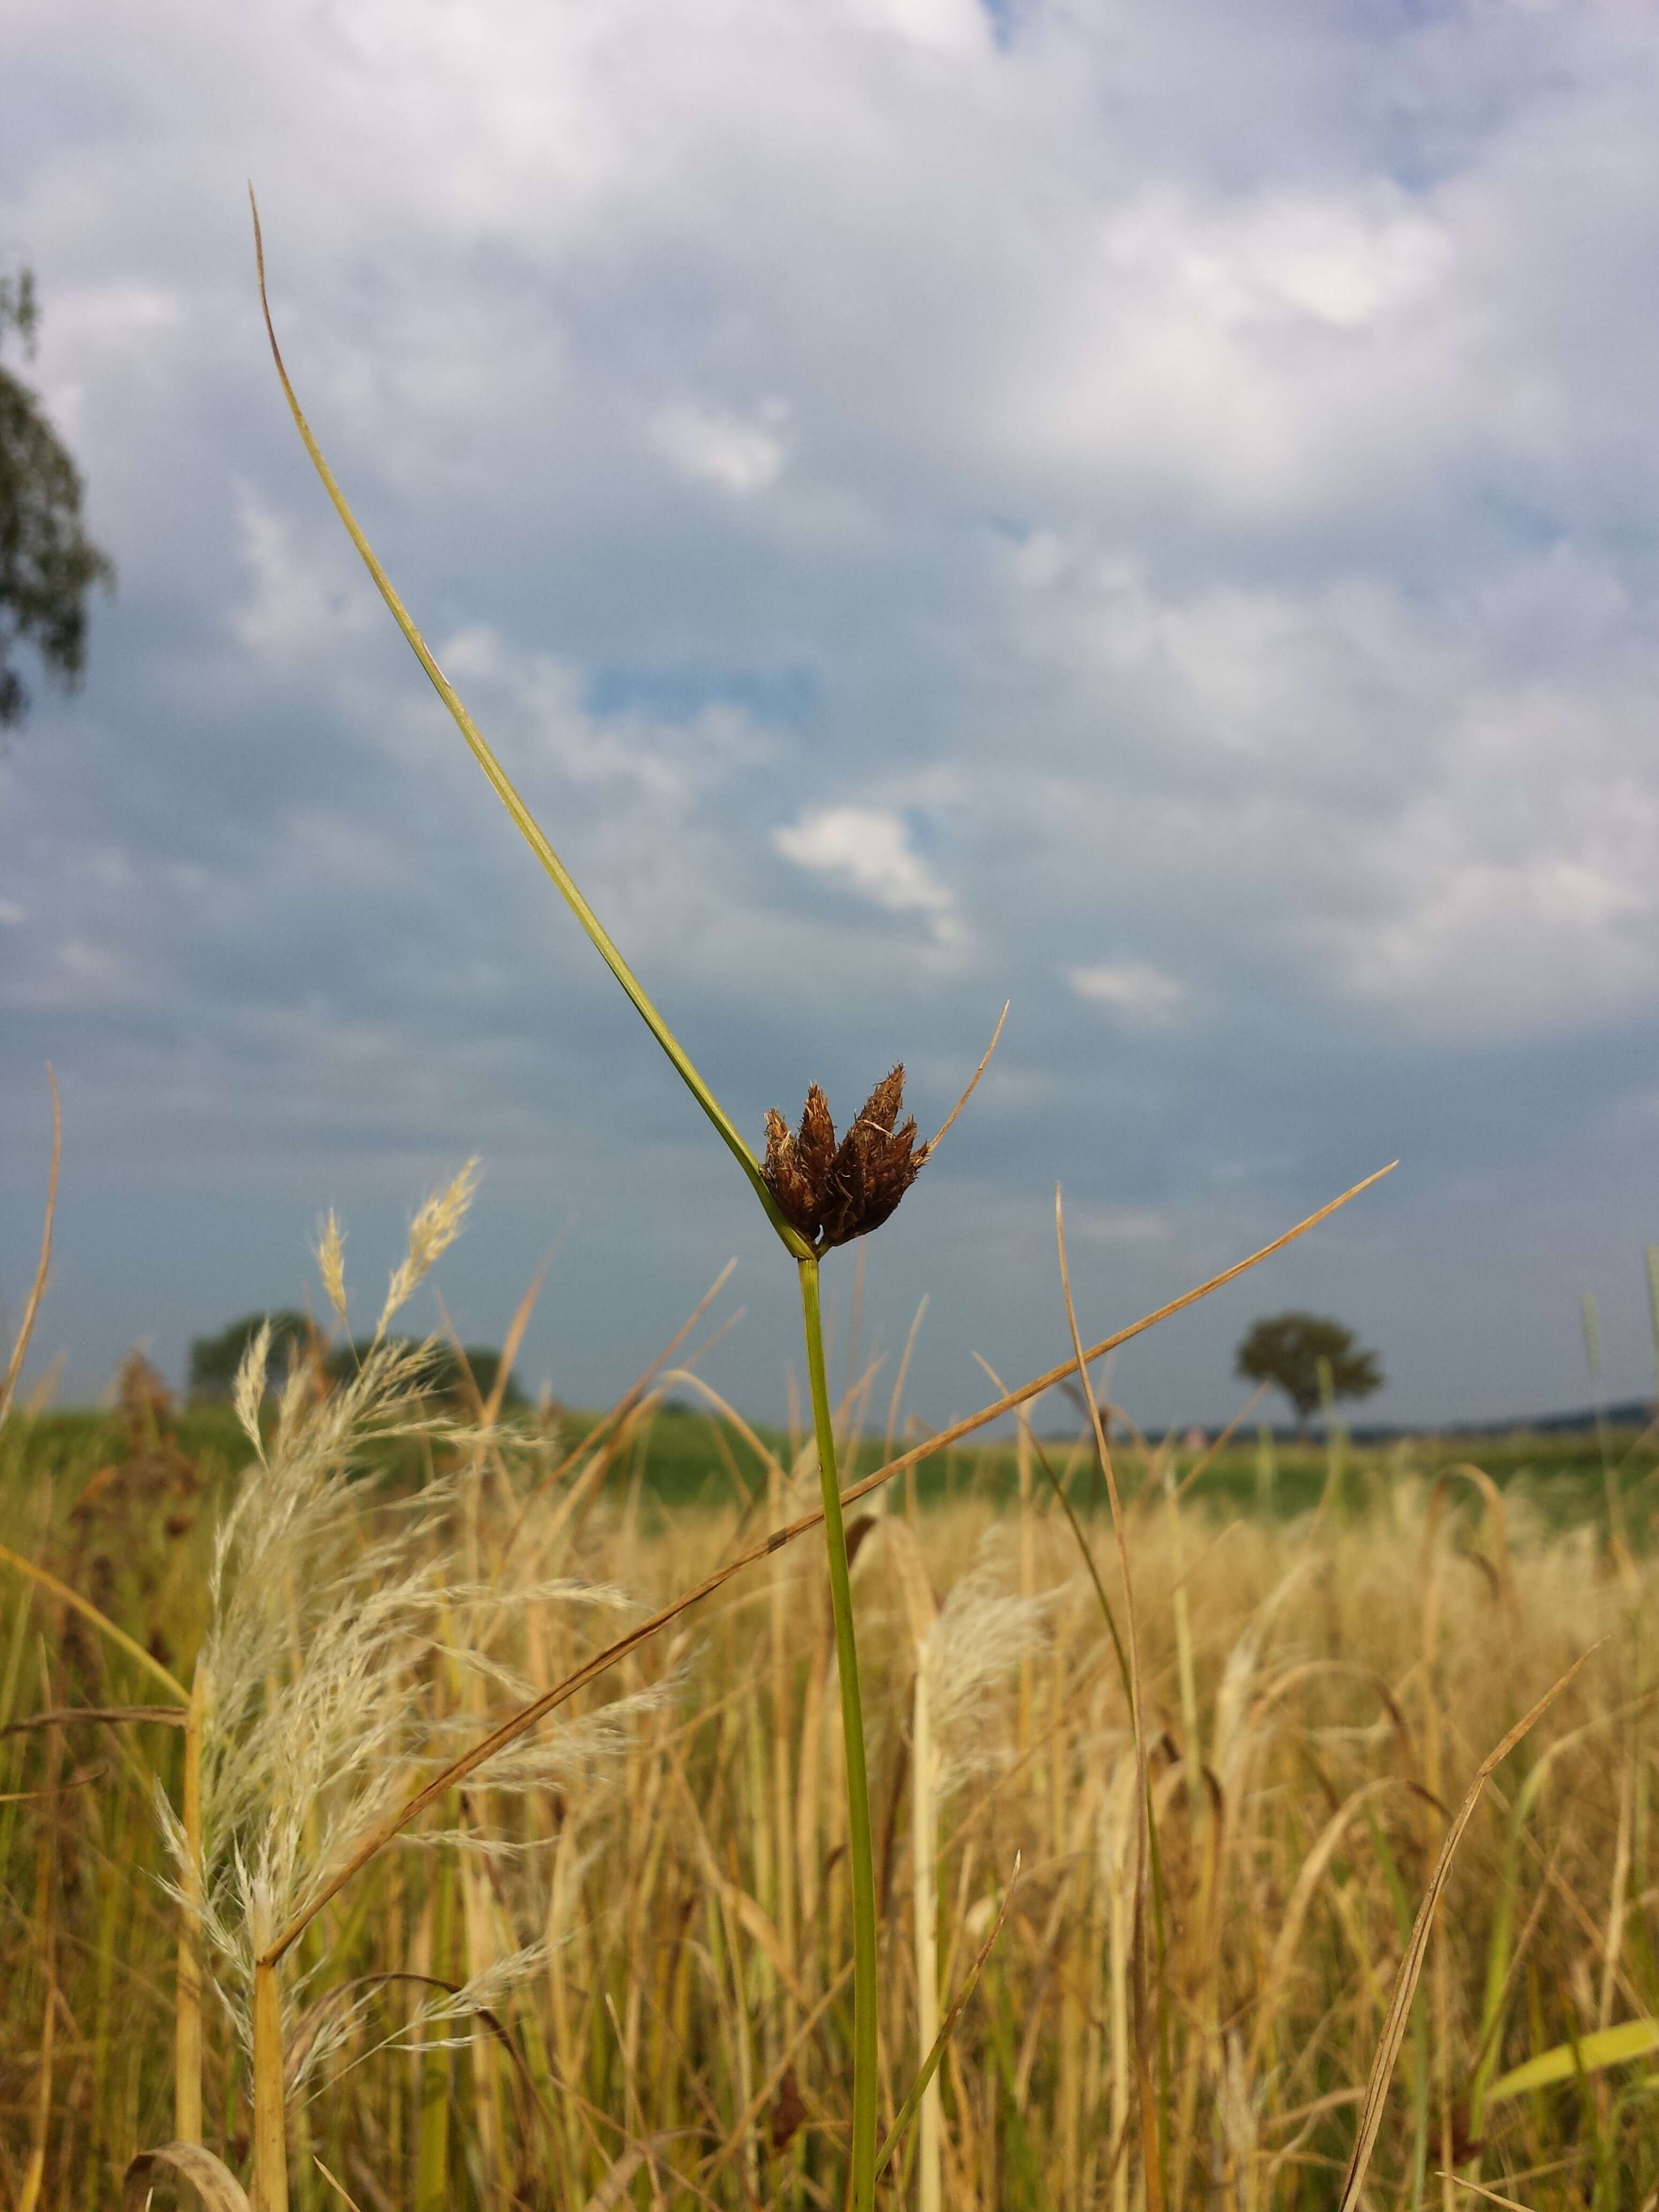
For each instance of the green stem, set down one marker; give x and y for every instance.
(860, 1844)
(528, 827)
(840, 1590)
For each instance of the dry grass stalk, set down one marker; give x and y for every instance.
(1152, 2145)
(188, 2002)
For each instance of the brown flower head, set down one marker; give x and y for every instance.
(833, 1193)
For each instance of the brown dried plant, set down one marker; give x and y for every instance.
(831, 1192)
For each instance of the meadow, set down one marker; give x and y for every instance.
(612, 1967)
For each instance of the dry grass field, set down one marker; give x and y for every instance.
(612, 1966)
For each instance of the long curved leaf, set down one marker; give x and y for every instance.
(1608, 2046)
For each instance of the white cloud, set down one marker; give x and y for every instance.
(1143, 996)
(737, 454)
(867, 850)
(958, 26)
(1439, 811)
(1476, 942)
(12, 915)
(306, 595)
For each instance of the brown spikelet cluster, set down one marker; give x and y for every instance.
(831, 1192)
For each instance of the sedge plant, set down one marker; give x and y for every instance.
(817, 1192)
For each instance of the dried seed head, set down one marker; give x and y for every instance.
(431, 1233)
(787, 1177)
(833, 1193)
(816, 1141)
(331, 1264)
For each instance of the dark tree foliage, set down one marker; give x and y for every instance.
(1288, 1350)
(446, 1379)
(48, 565)
(214, 1360)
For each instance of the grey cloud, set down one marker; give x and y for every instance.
(1186, 474)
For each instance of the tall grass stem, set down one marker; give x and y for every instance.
(1153, 2146)
(529, 828)
(860, 1843)
(270, 2192)
(43, 1265)
(924, 1850)
(101, 1621)
(187, 1995)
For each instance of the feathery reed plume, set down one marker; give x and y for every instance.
(967, 1661)
(434, 1230)
(331, 1266)
(331, 1615)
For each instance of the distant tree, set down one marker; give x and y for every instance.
(48, 565)
(214, 1360)
(445, 1378)
(1288, 1350)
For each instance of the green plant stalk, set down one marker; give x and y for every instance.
(930, 2065)
(1500, 1959)
(1266, 1471)
(858, 1787)
(860, 1842)
(1609, 1472)
(1335, 1440)
(529, 828)
(101, 1621)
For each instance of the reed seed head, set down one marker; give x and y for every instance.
(431, 1233)
(334, 1610)
(831, 1192)
(331, 1265)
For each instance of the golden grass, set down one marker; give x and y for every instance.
(652, 1941)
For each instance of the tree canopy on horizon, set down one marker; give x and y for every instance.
(214, 1360)
(48, 564)
(1296, 1352)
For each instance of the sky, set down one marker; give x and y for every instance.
(1145, 512)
